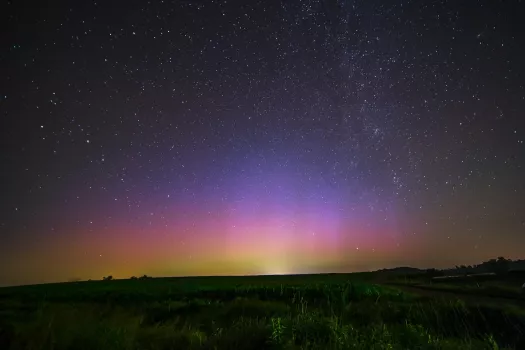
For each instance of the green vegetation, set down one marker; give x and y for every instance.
(268, 312)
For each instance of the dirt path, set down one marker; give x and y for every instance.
(458, 294)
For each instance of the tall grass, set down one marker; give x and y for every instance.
(342, 315)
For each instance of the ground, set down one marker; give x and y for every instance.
(339, 311)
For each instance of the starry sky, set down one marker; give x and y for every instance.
(175, 138)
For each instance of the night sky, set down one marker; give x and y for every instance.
(175, 138)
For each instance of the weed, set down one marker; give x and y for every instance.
(231, 313)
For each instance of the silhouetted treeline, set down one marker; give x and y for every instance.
(498, 266)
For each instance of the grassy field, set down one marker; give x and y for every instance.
(267, 312)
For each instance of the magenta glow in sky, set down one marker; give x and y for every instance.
(280, 137)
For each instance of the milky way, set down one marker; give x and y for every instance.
(231, 137)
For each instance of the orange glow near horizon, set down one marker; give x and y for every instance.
(124, 252)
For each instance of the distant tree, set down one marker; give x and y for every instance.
(144, 277)
(433, 273)
(133, 277)
(108, 278)
(503, 265)
(498, 266)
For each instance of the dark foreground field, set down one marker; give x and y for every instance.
(271, 312)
